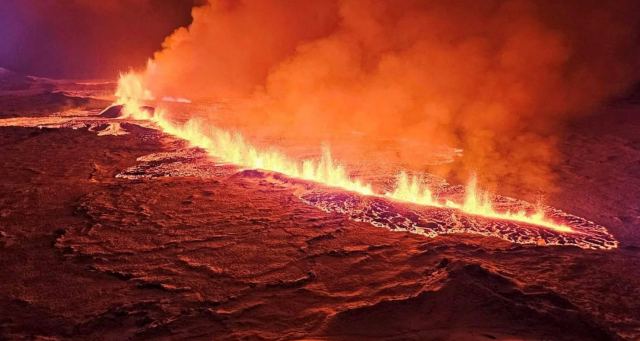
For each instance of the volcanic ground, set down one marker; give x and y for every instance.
(110, 229)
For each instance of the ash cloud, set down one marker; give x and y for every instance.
(498, 79)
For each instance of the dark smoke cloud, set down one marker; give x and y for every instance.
(85, 38)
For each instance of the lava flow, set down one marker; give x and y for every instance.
(232, 148)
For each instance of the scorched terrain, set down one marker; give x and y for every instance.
(110, 229)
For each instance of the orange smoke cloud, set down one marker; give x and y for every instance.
(497, 79)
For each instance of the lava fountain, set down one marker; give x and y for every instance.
(232, 147)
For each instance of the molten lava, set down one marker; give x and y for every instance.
(232, 147)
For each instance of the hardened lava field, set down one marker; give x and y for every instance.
(126, 232)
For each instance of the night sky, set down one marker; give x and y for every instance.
(85, 38)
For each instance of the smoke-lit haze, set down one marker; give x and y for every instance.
(495, 78)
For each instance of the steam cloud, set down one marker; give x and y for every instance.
(495, 78)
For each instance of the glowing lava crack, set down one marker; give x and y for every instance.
(464, 210)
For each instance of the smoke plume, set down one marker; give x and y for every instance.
(495, 78)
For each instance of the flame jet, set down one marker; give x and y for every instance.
(233, 148)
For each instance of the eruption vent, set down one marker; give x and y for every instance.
(233, 148)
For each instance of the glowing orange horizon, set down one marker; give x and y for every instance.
(233, 148)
